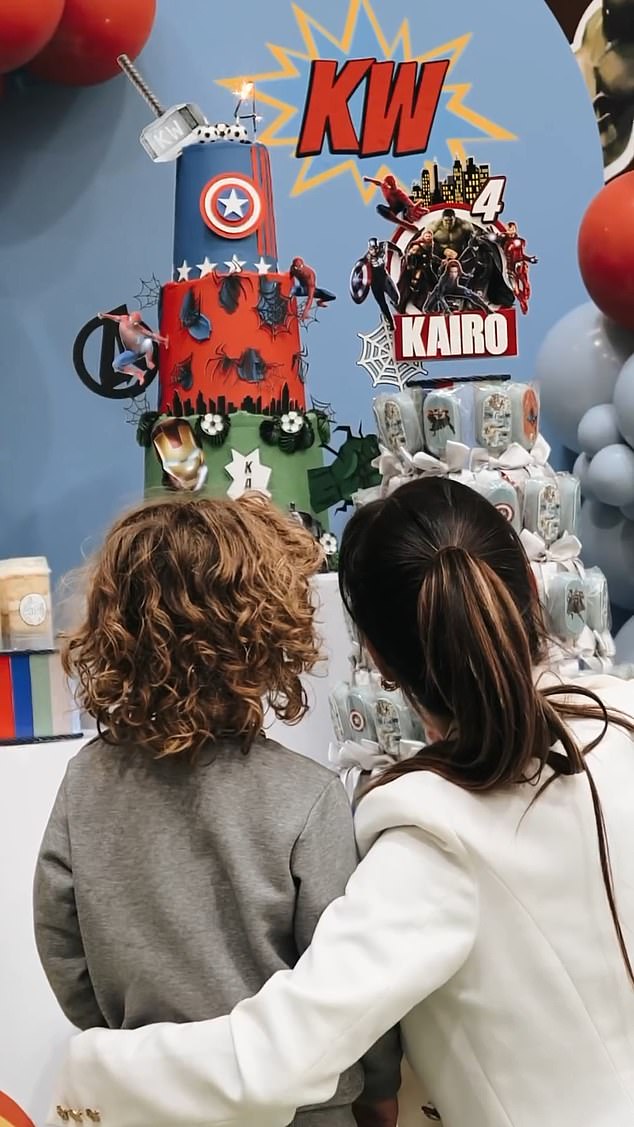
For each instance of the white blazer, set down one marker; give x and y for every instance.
(479, 922)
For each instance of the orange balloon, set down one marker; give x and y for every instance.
(25, 28)
(606, 250)
(90, 35)
(11, 1115)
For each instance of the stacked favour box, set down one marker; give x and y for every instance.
(36, 701)
(486, 435)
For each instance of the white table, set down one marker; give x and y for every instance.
(32, 1029)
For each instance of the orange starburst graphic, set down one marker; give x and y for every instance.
(292, 66)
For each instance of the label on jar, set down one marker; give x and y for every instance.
(33, 610)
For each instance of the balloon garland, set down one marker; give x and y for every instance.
(72, 42)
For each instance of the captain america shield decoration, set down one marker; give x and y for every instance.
(231, 206)
(360, 281)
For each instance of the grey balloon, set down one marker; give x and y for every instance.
(611, 475)
(608, 543)
(598, 428)
(580, 470)
(577, 368)
(624, 400)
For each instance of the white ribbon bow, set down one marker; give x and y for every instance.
(567, 548)
(515, 457)
(456, 458)
(367, 755)
(400, 467)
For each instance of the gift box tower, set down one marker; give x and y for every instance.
(484, 433)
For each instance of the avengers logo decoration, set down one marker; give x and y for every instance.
(125, 362)
(449, 278)
(231, 206)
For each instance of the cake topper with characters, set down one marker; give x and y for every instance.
(449, 277)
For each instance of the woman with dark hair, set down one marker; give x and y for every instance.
(493, 911)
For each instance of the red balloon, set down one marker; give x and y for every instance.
(25, 28)
(91, 34)
(606, 250)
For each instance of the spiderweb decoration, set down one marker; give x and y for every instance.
(149, 293)
(377, 357)
(272, 307)
(326, 409)
(311, 319)
(135, 409)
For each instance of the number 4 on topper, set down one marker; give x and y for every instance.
(490, 203)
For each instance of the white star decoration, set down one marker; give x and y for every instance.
(262, 266)
(206, 267)
(184, 271)
(233, 204)
(247, 474)
(236, 264)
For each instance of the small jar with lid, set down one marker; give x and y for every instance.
(25, 604)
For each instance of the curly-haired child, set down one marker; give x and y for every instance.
(188, 857)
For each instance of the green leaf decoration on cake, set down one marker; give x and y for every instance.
(323, 428)
(145, 428)
(270, 431)
(212, 428)
(290, 432)
(306, 436)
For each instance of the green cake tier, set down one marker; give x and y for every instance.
(227, 455)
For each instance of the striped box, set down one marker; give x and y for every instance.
(36, 701)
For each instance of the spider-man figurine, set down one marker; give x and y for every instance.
(138, 342)
(305, 285)
(398, 207)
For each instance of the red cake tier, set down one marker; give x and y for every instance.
(233, 344)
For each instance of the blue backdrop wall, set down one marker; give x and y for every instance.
(84, 215)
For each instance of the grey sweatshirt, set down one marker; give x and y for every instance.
(167, 891)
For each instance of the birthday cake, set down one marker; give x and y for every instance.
(232, 413)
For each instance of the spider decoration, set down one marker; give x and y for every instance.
(299, 363)
(182, 375)
(249, 367)
(272, 307)
(232, 289)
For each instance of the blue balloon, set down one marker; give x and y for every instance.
(624, 642)
(580, 471)
(577, 367)
(608, 543)
(611, 475)
(598, 428)
(624, 401)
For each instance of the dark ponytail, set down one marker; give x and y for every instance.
(438, 583)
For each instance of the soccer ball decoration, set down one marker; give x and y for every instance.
(205, 134)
